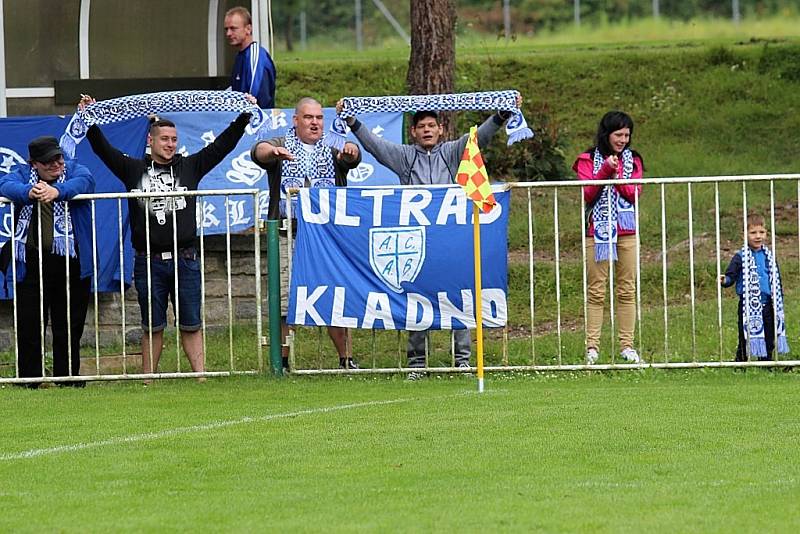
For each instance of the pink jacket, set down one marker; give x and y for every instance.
(584, 168)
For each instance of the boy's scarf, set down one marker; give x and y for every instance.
(315, 166)
(63, 238)
(752, 307)
(611, 209)
(131, 107)
(516, 127)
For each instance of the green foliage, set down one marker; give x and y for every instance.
(783, 62)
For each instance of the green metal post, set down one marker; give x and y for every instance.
(274, 283)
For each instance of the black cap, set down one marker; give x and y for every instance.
(44, 149)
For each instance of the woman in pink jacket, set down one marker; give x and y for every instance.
(611, 229)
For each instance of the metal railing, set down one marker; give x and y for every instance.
(128, 369)
(545, 332)
(550, 347)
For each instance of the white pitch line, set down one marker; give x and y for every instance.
(33, 453)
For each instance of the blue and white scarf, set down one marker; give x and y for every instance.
(63, 238)
(516, 127)
(752, 307)
(611, 209)
(317, 167)
(131, 107)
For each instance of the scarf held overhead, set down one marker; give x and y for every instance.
(63, 238)
(752, 306)
(131, 107)
(516, 127)
(611, 209)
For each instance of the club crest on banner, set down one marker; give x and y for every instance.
(397, 254)
(360, 173)
(9, 159)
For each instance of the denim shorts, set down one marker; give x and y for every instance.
(162, 275)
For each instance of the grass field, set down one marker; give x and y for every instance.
(704, 451)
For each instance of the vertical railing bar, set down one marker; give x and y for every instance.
(176, 307)
(773, 280)
(228, 275)
(68, 293)
(719, 267)
(96, 297)
(584, 273)
(399, 350)
(638, 269)
(691, 270)
(257, 262)
(374, 347)
(320, 358)
(505, 345)
(122, 285)
(558, 272)
(14, 284)
(453, 346)
(41, 282)
(611, 265)
(531, 271)
(745, 320)
(147, 206)
(203, 308)
(664, 271)
(289, 250)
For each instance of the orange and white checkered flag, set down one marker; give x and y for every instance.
(472, 175)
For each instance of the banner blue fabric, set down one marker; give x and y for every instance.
(129, 136)
(396, 258)
(237, 171)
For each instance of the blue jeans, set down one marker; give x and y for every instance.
(162, 275)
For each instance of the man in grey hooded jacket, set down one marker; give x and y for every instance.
(427, 161)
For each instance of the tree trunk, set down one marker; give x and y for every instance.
(287, 29)
(431, 66)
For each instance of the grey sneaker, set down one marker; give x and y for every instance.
(630, 355)
(591, 356)
(415, 375)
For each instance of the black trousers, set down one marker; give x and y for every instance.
(54, 298)
(769, 331)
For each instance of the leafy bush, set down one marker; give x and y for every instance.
(784, 62)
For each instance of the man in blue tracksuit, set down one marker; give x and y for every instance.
(49, 220)
(253, 70)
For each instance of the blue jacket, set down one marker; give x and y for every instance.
(254, 73)
(735, 273)
(16, 187)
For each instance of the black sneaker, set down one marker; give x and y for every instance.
(348, 363)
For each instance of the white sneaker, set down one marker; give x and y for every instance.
(630, 355)
(591, 356)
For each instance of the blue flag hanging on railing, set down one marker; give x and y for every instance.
(129, 136)
(396, 259)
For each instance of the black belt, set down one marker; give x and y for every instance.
(188, 253)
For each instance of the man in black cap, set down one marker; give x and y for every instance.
(52, 227)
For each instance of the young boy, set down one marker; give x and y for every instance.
(755, 272)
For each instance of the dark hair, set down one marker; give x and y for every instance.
(611, 122)
(155, 122)
(419, 115)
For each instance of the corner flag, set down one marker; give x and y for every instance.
(471, 174)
